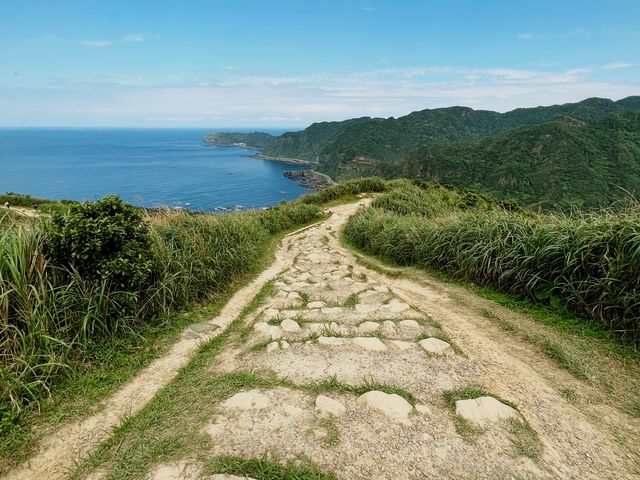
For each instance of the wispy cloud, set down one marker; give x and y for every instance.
(617, 65)
(369, 8)
(97, 43)
(573, 33)
(229, 97)
(133, 37)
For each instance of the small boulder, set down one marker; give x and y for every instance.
(392, 405)
(272, 346)
(368, 327)
(436, 347)
(370, 343)
(290, 326)
(409, 324)
(484, 410)
(313, 305)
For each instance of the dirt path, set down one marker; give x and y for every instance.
(331, 319)
(27, 212)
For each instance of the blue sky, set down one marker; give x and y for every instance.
(167, 63)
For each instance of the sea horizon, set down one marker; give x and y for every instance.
(147, 166)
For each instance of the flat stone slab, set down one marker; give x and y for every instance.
(397, 307)
(290, 326)
(270, 313)
(203, 327)
(251, 399)
(390, 404)
(436, 347)
(272, 331)
(331, 340)
(370, 343)
(328, 405)
(368, 327)
(484, 410)
(313, 305)
(408, 324)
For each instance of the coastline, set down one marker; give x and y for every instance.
(308, 178)
(288, 160)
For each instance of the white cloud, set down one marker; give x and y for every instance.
(617, 65)
(369, 9)
(97, 43)
(573, 33)
(232, 99)
(133, 37)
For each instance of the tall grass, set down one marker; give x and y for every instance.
(51, 319)
(48, 316)
(588, 263)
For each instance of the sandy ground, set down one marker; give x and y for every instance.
(331, 340)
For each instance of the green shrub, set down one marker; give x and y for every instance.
(104, 241)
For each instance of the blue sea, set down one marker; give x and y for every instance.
(147, 167)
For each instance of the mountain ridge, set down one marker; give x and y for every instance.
(392, 147)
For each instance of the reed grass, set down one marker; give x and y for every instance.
(49, 317)
(586, 263)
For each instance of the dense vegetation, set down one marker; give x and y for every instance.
(586, 263)
(565, 163)
(584, 154)
(100, 270)
(75, 283)
(27, 201)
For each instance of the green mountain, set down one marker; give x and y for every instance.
(563, 163)
(391, 141)
(580, 153)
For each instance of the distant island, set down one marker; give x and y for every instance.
(584, 154)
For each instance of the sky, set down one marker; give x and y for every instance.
(241, 63)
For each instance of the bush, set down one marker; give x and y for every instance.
(104, 241)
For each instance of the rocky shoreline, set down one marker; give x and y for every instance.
(289, 160)
(310, 179)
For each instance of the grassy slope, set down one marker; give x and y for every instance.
(587, 264)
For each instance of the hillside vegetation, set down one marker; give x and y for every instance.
(583, 154)
(586, 263)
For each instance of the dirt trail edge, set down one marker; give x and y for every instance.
(59, 452)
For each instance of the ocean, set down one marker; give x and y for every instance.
(146, 167)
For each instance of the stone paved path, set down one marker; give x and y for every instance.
(330, 318)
